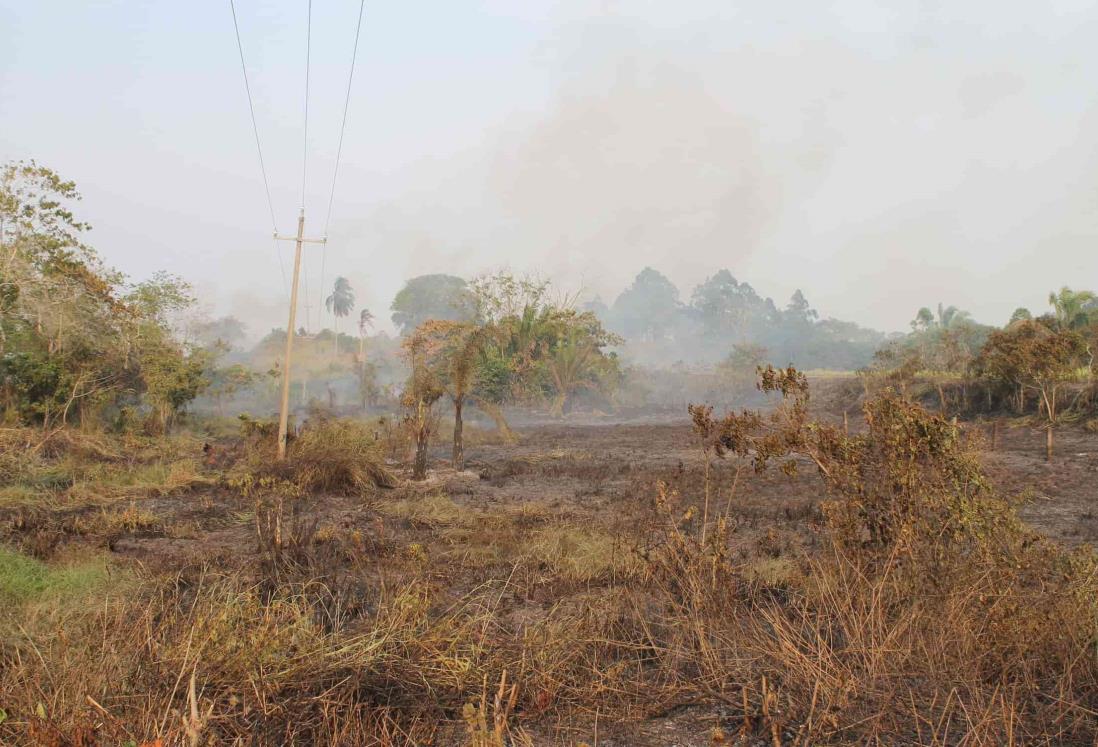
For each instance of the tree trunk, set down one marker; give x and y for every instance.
(1048, 443)
(495, 412)
(362, 369)
(419, 466)
(557, 409)
(942, 398)
(459, 446)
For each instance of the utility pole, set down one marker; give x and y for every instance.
(284, 414)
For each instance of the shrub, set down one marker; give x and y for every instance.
(333, 456)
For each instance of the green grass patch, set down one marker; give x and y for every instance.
(25, 579)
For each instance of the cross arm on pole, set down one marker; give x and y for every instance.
(303, 240)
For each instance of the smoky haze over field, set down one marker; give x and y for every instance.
(878, 159)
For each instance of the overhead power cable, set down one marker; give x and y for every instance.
(346, 106)
(305, 148)
(339, 149)
(251, 109)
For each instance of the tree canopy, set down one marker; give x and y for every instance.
(432, 297)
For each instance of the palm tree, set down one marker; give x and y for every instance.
(947, 318)
(571, 366)
(340, 303)
(951, 316)
(1073, 309)
(365, 321)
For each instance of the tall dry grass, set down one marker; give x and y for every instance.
(952, 625)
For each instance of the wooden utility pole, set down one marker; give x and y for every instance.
(284, 413)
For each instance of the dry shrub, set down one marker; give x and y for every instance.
(339, 456)
(27, 452)
(989, 659)
(938, 617)
(331, 456)
(86, 446)
(18, 466)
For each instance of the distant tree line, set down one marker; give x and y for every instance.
(79, 343)
(658, 328)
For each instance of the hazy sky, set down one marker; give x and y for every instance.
(880, 158)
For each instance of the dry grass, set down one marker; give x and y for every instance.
(444, 621)
(72, 468)
(328, 456)
(580, 554)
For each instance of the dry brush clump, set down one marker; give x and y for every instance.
(936, 617)
(327, 456)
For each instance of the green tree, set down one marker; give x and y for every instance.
(421, 392)
(732, 312)
(340, 303)
(574, 356)
(227, 331)
(739, 370)
(510, 308)
(1021, 314)
(1030, 356)
(225, 381)
(452, 350)
(73, 340)
(646, 311)
(947, 317)
(945, 341)
(367, 372)
(62, 339)
(172, 373)
(1073, 309)
(799, 311)
(172, 378)
(432, 297)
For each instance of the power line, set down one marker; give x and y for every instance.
(308, 51)
(255, 128)
(346, 105)
(305, 147)
(339, 149)
(281, 266)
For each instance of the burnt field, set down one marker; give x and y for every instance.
(590, 584)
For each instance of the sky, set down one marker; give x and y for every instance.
(878, 156)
